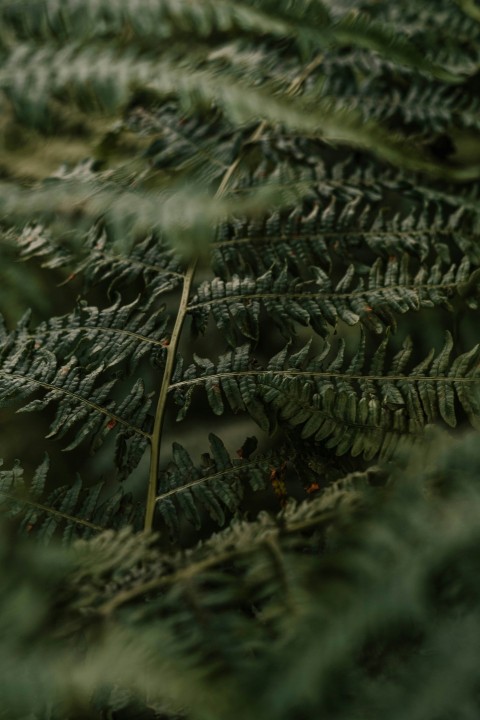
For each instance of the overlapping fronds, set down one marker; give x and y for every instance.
(147, 23)
(98, 259)
(420, 108)
(198, 146)
(57, 73)
(343, 216)
(309, 24)
(259, 172)
(441, 30)
(275, 141)
(120, 333)
(368, 410)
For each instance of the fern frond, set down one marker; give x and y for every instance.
(356, 409)
(388, 289)
(201, 146)
(218, 484)
(449, 32)
(83, 400)
(420, 109)
(387, 405)
(76, 206)
(117, 334)
(144, 22)
(241, 395)
(361, 177)
(331, 234)
(129, 215)
(73, 510)
(331, 230)
(375, 590)
(361, 31)
(442, 28)
(100, 259)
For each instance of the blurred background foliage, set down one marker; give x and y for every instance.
(362, 601)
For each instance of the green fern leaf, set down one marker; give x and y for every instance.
(118, 334)
(73, 510)
(350, 408)
(215, 486)
(388, 290)
(100, 260)
(83, 401)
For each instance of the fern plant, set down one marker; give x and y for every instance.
(262, 222)
(296, 167)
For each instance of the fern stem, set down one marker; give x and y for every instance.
(162, 398)
(171, 354)
(182, 312)
(231, 170)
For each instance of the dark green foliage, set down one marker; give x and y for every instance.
(268, 211)
(97, 261)
(357, 407)
(77, 511)
(320, 219)
(27, 368)
(359, 602)
(305, 235)
(372, 298)
(217, 484)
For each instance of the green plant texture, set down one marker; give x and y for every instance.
(240, 282)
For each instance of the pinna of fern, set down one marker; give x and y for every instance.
(73, 509)
(349, 405)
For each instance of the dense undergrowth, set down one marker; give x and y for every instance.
(247, 234)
